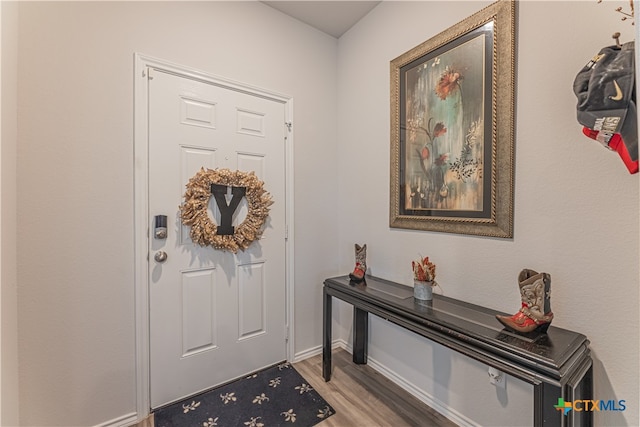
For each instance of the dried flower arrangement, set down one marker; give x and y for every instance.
(423, 270)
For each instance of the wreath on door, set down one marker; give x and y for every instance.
(204, 231)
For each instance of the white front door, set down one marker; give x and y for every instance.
(214, 315)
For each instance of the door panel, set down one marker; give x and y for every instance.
(198, 311)
(214, 315)
(251, 302)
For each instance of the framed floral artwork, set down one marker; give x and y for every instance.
(452, 128)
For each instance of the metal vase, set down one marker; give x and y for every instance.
(422, 291)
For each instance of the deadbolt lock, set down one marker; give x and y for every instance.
(160, 227)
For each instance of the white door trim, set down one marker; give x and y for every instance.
(141, 209)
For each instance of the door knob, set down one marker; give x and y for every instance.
(160, 256)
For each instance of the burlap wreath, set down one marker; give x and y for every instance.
(196, 201)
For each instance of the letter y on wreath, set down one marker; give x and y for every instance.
(227, 210)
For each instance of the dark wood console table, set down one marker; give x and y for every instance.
(558, 364)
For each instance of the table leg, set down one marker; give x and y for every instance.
(326, 335)
(545, 396)
(588, 385)
(580, 388)
(360, 336)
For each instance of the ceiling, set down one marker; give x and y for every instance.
(331, 17)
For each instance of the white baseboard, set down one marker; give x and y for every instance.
(123, 421)
(314, 351)
(406, 385)
(421, 395)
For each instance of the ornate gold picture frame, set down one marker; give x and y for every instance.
(452, 128)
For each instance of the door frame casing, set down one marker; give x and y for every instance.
(141, 208)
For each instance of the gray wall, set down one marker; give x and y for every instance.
(576, 208)
(8, 268)
(75, 179)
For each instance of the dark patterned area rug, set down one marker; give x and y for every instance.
(276, 396)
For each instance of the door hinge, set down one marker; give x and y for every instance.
(146, 73)
(286, 333)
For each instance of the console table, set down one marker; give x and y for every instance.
(558, 364)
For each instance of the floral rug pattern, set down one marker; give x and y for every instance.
(276, 396)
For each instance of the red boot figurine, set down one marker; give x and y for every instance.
(361, 264)
(535, 314)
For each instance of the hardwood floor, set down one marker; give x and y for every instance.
(362, 397)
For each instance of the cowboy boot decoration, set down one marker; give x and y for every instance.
(361, 264)
(535, 313)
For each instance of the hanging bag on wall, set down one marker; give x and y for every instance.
(606, 93)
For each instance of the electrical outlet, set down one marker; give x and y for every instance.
(497, 378)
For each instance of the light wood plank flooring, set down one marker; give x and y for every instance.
(362, 397)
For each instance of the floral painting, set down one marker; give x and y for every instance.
(452, 128)
(444, 122)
